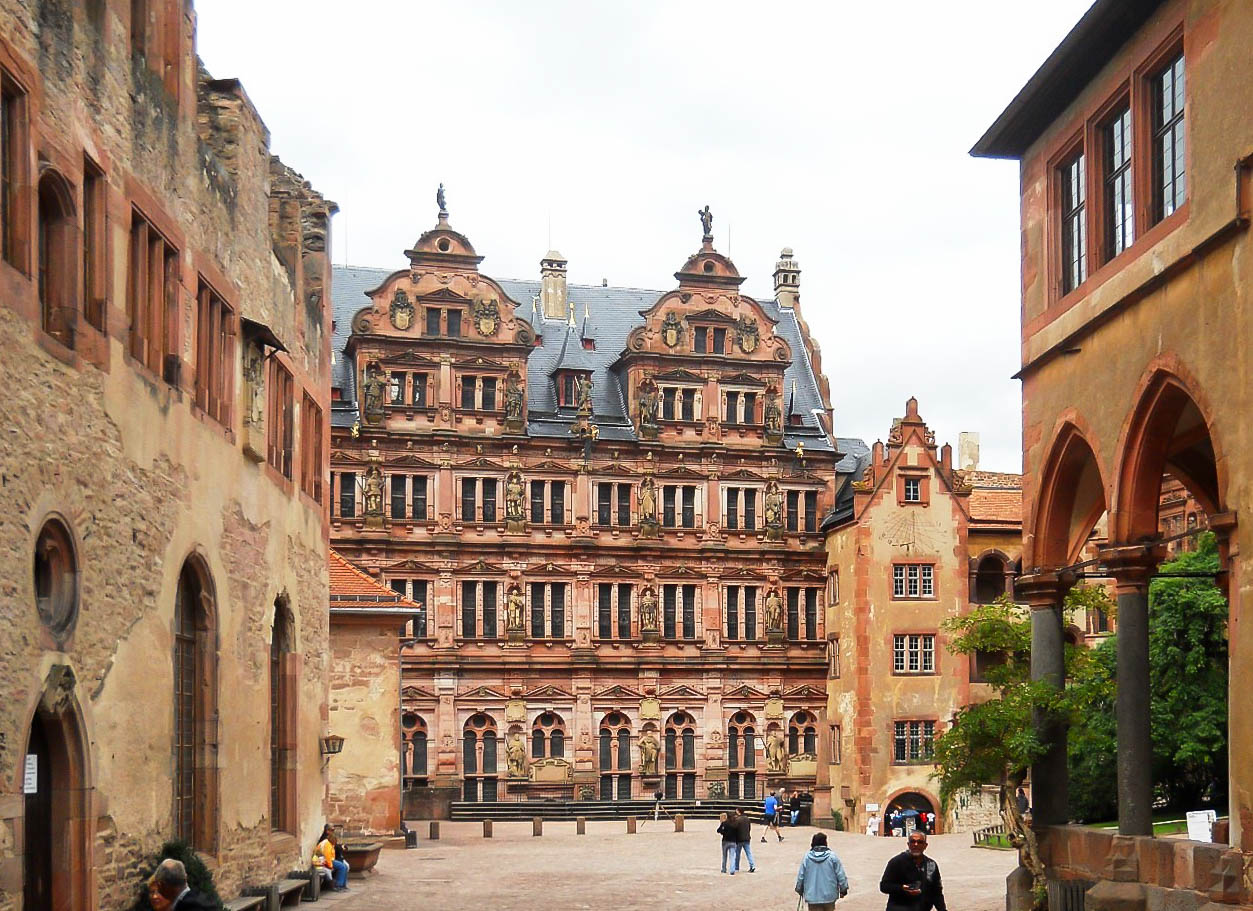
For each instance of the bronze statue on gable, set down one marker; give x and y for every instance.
(706, 222)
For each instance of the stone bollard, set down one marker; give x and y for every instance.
(580, 825)
(630, 825)
(487, 828)
(434, 830)
(537, 825)
(678, 822)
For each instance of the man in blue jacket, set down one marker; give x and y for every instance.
(771, 812)
(821, 879)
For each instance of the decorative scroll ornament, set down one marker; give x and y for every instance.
(671, 330)
(486, 316)
(401, 311)
(747, 334)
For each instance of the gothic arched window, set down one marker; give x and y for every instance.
(195, 708)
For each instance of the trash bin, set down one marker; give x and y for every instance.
(411, 837)
(807, 812)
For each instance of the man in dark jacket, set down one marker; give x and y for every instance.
(911, 880)
(168, 889)
(743, 840)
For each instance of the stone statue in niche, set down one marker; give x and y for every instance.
(515, 755)
(401, 310)
(254, 385)
(515, 495)
(650, 402)
(776, 754)
(515, 609)
(774, 510)
(648, 500)
(583, 395)
(648, 610)
(649, 749)
(773, 416)
(372, 394)
(514, 397)
(774, 610)
(374, 491)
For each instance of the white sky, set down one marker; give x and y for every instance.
(840, 129)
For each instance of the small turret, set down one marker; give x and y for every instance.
(552, 293)
(787, 279)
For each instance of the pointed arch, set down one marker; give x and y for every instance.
(195, 684)
(1070, 500)
(58, 257)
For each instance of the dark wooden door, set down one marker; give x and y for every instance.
(38, 825)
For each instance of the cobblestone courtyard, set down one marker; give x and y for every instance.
(656, 868)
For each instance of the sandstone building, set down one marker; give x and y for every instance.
(165, 329)
(1136, 153)
(916, 543)
(609, 503)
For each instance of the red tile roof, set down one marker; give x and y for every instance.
(997, 503)
(350, 587)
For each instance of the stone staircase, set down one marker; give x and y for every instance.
(523, 810)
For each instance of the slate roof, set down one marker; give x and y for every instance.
(611, 315)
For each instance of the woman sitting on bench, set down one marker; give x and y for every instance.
(327, 864)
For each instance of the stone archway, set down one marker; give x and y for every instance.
(57, 808)
(915, 800)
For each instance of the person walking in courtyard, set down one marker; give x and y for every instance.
(911, 880)
(726, 828)
(821, 880)
(743, 840)
(770, 809)
(794, 808)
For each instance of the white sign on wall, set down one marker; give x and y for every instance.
(872, 808)
(30, 775)
(1201, 825)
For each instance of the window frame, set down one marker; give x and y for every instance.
(899, 579)
(912, 658)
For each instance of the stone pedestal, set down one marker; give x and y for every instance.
(775, 638)
(515, 526)
(515, 638)
(651, 637)
(649, 528)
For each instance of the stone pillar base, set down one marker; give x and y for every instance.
(651, 637)
(515, 638)
(774, 638)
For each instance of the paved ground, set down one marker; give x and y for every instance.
(656, 868)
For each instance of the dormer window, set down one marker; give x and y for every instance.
(568, 387)
(443, 322)
(709, 340)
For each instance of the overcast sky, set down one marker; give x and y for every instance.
(838, 129)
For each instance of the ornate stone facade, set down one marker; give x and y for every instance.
(160, 575)
(608, 501)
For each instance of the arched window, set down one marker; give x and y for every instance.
(58, 258)
(991, 575)
(802, 734)
(479, 758)
(413, 755)
(615, 757)
(282, 719)
(548, 736)
(741, 756)
(681, 756)
(56, 579)
(195, 708)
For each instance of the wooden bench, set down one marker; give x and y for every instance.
(245, 903)
(276, 895)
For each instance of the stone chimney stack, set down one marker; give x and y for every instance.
(552, 289)
(787, 279)
(967, 451)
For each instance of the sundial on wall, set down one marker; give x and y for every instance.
(913, 532)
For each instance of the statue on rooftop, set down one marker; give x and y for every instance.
(706, 220)
(441, 201)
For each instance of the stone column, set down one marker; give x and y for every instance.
(1044, 592)
(1131, 568)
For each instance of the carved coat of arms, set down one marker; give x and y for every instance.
(671, 330)
(401, 310)
(747, 334)
(486, 316)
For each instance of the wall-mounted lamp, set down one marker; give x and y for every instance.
(332, 744)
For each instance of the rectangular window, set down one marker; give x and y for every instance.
(624, 505)
(469, 609)
(624, 610)
(537, 610)
(750, 408)
(537, 502)
(731, 412)
(557, 502)
(454, 323)
(667, 506)
(152, 297)
(398, 496)
(702, 339)
(913, 490)
(557, 628)
(1170, 187)
(667, 403)
(833, 659)
(811, 614)
(469, 499)
(689, 404)
(733, 612)
(419, 390)
(419, 597)
(811, 510)
(215, 355)
(793, 506)
(567, 390)
(95, 281)
(347, 494)
(750, 508)
(489, 499)
(669, 605)
(913, 741)
(400, 587)
(913, 653)
(604, 504)
(1074, 224)
(432, 320)
(720, 341)
(280, 428)
(469, 392)
(913, 581)
(311, 466)
(731, 512)
(793, 614)
(689, 612)
(689, 507)
(419, 497)
(1119, 210)
(604, 610)
(489, 393)
(12, 167)
(750, 612)
(490, 630)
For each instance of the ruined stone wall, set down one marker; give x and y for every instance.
(139, 475)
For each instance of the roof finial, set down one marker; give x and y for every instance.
(706, 223)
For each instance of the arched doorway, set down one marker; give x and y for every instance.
(916, 811)
(57, 801)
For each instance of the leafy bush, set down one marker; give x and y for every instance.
(199, 877)
(837, 818)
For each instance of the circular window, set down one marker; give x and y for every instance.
(56, 578)
(409, 721)
(443, 245)
(709, 266)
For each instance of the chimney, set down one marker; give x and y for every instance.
(787, 280)
(552, 288)
(967, 451)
